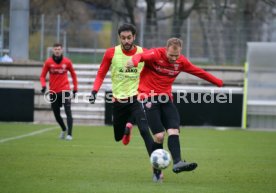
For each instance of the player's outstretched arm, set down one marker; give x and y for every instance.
(141, 57)
(199, 72)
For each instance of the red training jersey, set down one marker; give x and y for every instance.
(105, 65)
(58, 80)
(158, 74)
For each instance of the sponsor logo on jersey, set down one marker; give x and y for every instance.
(133, 70)
(176, 66)
(167, 71)
(57, 69)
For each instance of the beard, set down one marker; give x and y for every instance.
(127, 47)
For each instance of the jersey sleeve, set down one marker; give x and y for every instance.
(199, 72)
(104, 67)
(43, 74)
(145, 49)
(73, 75)
(146, 56)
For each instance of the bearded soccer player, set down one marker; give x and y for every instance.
(126, 108)
(60, 92)
(162, 65)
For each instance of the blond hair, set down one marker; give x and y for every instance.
(175, 42)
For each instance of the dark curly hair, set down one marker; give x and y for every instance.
(127, 27)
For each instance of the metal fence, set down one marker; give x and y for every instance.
(204, 43)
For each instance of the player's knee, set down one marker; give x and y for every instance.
(173, 131)
(159, 137)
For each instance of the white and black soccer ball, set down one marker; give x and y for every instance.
(160, 159)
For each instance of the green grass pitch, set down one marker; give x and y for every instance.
(229, 161)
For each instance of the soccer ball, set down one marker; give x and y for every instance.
(160, 159)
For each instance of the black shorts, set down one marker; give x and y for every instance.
(126, 111)
(161, 114)
(57, 99)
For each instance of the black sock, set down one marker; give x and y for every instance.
(67, 108)
(157, 146)
(145, 133)
(58, 117)
(174, 147)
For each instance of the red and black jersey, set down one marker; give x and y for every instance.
(158, 74)
(58, 80)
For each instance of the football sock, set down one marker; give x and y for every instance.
(127, 134)
(61, 124)
(128, 128)
(69, 129)
(174, 147)
(157, 146)
(68, 113)
(146, 135)
(157, 172)
(56, 111)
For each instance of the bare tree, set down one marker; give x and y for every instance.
(180, 14)
(4, 6)
(228, 25)
(250, 17)
(123, 9)
(211, 21)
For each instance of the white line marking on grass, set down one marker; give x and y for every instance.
(27, 135)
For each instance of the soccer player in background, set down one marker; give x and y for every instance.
(126, 108)
(162, 66)
(60, 93)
